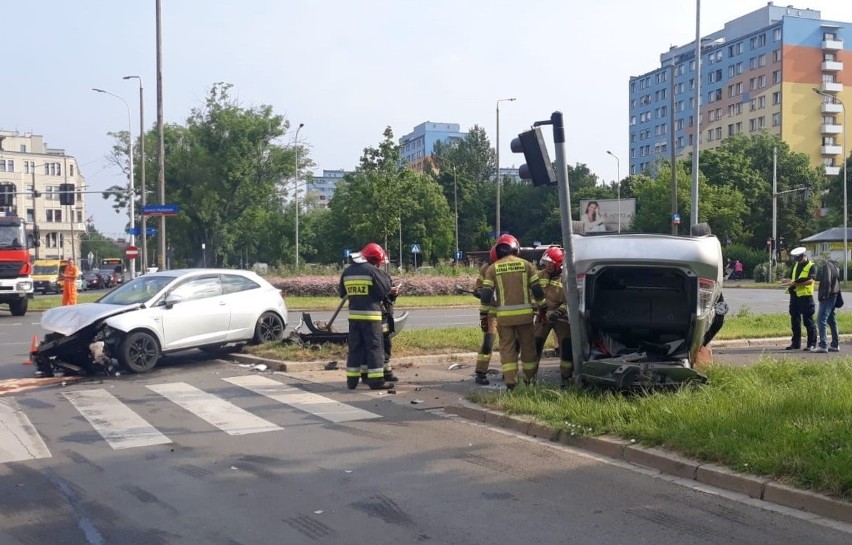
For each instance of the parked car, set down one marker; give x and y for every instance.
(159, 313)
(93, 281)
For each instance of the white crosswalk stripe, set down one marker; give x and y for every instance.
(222, 414)
(315, 404)
(116, 422)
(19, 439)
(123, 428)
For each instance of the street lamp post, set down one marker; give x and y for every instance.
(456, 205)
(296, 191)
(845, 201)
(497, 178)
(131, 196)
(618, 185)
(144, 235)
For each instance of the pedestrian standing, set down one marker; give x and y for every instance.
(488, 324)
(509, 281)
(69, 283)
(738, 270)
(829, 291)
(553, 316)
(366, 286)
(800, 286)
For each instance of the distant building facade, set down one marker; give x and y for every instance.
(27, 163)
(320, 189)
(758, 73)
(417, 146)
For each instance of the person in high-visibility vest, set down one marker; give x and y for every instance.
(800, 286)
(69, 283)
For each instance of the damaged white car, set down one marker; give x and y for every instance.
(161, 312)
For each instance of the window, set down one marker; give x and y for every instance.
(718, 133)
(53, 240)
(2, 165)
(776, 35)
(51, 192)
(71, 171)
(232, 283)
(761, 60)
(752, 63)
(776, 119)
(776, 98)
(828, 78)
(54, 216)
(199, 288)
(23, 148)
(829, 36)
(761, 82)
(776, 76)
(776, 55)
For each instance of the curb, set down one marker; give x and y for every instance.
(668, 463)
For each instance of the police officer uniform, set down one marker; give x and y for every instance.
(800, 286)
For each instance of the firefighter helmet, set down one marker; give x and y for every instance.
(506, 245)
(492, 254)
(374, 253)
(553, 255)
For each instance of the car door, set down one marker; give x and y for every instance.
(201, 316)
(245, 300)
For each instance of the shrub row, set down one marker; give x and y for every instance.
(416, 284)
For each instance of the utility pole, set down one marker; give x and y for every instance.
(697, 108)
(161, 152)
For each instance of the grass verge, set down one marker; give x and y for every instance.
(787, 420)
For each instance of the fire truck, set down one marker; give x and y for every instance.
(16, 283)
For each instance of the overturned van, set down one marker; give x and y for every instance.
(649, 304)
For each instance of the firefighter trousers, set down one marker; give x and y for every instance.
(515, 341)
(365, 349)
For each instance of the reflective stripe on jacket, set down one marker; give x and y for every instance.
(366, 286)
(511, 278)
(803, 274)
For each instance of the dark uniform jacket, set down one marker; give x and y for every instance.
(367, 286)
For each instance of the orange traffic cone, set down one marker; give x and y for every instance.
(33, 350)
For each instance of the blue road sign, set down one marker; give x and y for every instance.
(415, 248)
(458, 255)
(135, 231)
(151, 231)
(676, 219)
(346, 252)
(160, 210)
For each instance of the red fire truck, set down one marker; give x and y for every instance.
(16, 283)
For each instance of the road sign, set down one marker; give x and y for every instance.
(151, 231)
(132, 252)
(160, 210)
(676, 219)
(415, 248)
(346, 252)
(458, 255)
(135, 231)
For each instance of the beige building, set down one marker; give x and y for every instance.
(27, 161)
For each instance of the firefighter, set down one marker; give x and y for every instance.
(509, 281)
(553, 316)
(489, 328)
(69, 283)
(366, 286)
(387, 332)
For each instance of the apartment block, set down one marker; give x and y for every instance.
(27, 163)
(417, 146)
(779, 69)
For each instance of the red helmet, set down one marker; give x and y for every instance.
(375, 254)
(553, 255)
(507, 244)
(492, 254)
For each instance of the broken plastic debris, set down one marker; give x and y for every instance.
(259, 367)
(245, 365)
(416, 401)
(318, 512)
(456, 366)
(235, 467)
(331, 366)
(347, 471)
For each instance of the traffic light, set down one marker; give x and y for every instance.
(66, 193)
(538, 167)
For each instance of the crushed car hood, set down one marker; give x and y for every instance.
(66, 320)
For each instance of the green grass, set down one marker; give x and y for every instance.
(787, 420)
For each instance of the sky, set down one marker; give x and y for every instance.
(345, 68)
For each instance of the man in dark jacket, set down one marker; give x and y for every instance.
(829, 289)
(366, 286)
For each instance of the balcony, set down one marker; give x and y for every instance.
(828, 128)
(828, 108)
(831, 150)
(832, 171)
(832, 66)
(832, 45)
(831, 87)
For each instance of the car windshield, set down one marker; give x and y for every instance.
(140, 290)
(46, 269)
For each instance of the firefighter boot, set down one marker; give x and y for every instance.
(381, 385)
(351, 382)
(481, 378)
(390, 377)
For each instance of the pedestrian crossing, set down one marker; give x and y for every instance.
(120, 425)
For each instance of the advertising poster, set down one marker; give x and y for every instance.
(602, 215)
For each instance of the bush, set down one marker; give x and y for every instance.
(412, 284)
(749, 257)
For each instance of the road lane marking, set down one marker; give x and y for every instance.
(218, 412)
(308, 402)
(19, 439)
(116, 422)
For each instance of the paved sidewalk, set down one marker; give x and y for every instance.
(444, 382)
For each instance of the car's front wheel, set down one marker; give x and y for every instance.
(269, 328)
(139, 352)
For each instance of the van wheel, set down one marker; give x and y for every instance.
(18, 307)
(139, 352)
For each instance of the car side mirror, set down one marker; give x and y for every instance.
(172, 299)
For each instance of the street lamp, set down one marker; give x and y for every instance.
(497, 179)
(845, 215)
(296, 190)
(144, 234)
(618, 186)
(131, 198)
(456, 203)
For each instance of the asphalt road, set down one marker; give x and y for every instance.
(208, 452)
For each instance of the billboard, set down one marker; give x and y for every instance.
(602, 215)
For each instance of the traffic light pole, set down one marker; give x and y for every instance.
(569, 271)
